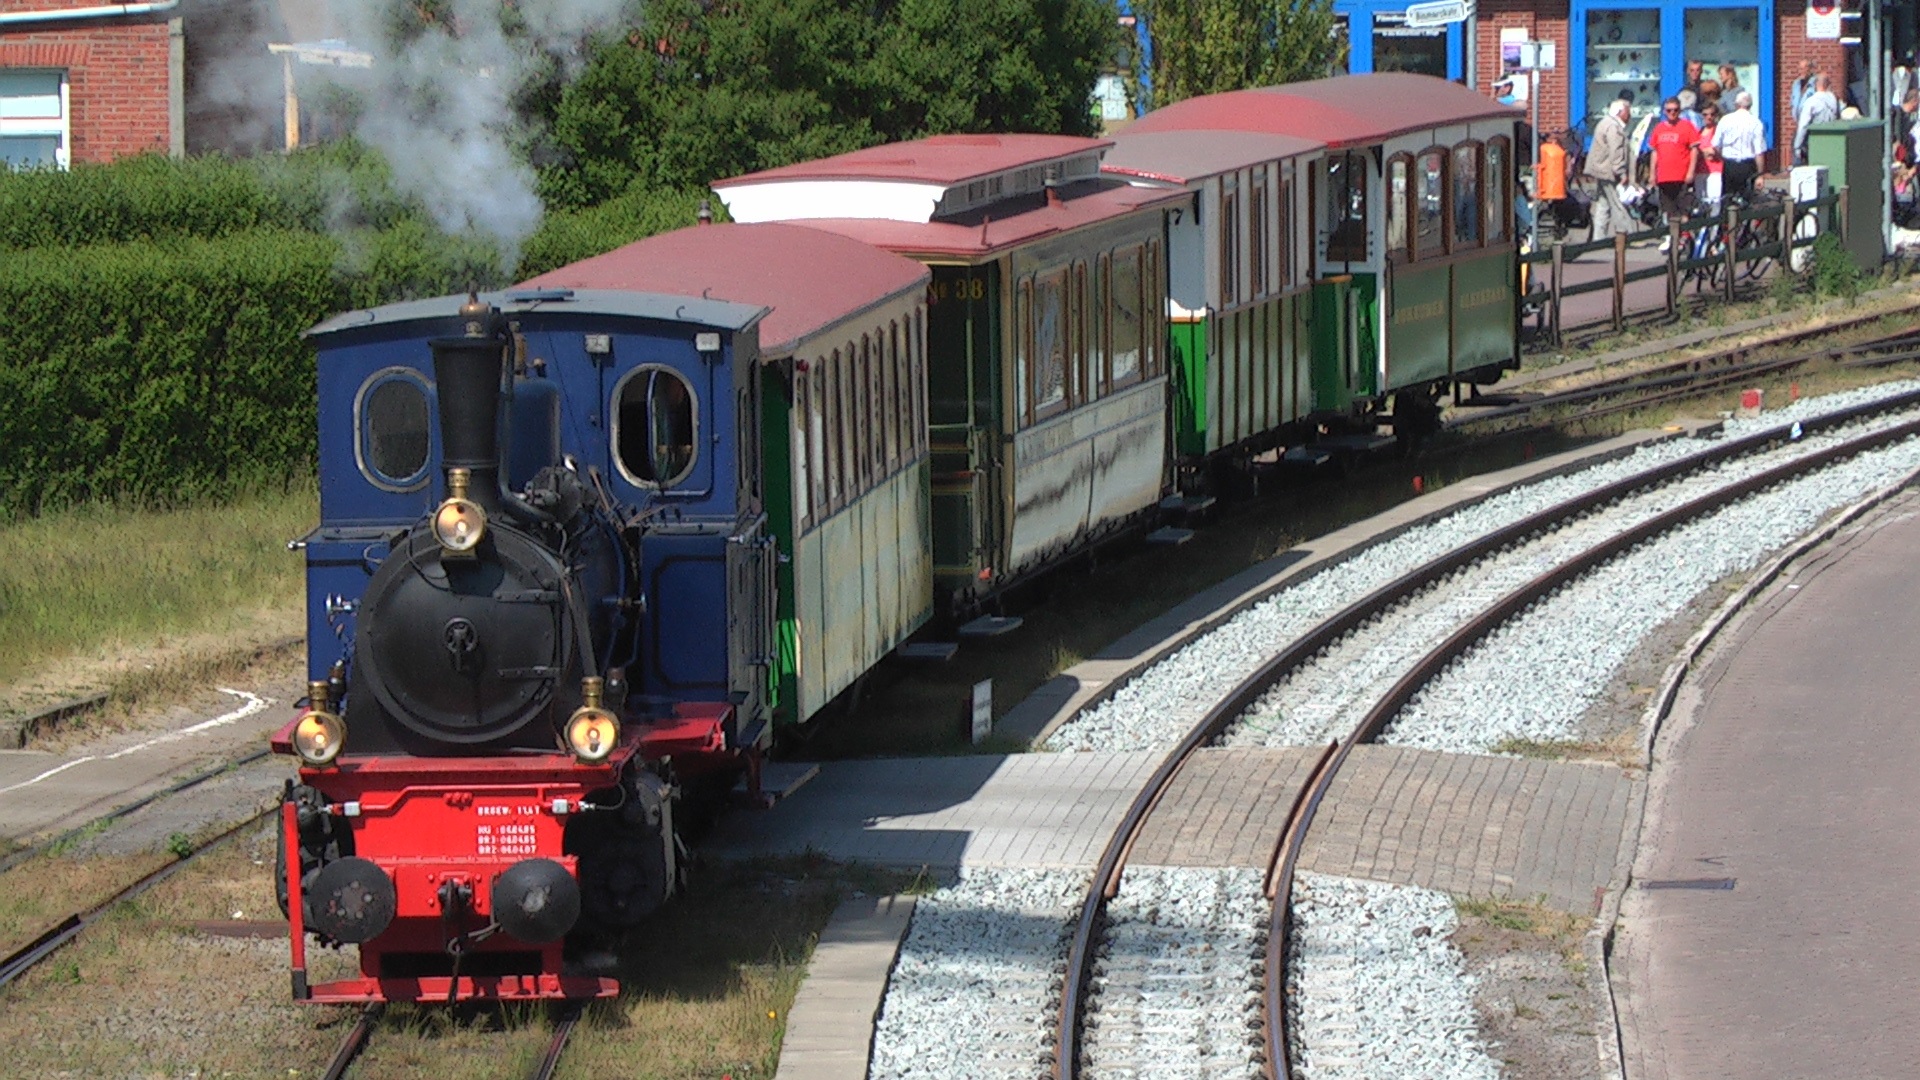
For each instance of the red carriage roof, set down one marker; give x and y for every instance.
(939, 159)
(809, 278)
(1347, 110)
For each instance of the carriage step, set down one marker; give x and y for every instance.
(1169, 536)
(1187, 504)
(991, 626)
(1306, 455)
(1355, 444)
(779, 779)
(928, 652)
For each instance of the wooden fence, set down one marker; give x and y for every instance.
(1780, 221)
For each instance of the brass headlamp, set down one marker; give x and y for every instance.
(592, 731)
(320, 734)
(459, 523)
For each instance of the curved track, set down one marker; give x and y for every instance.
(1106, 882)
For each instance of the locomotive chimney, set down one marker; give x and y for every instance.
(467, 372)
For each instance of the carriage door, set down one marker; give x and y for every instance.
(1334, 341)
(752, 557)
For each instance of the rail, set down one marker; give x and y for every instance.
(1723, 265)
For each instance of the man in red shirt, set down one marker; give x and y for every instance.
(1672, 140)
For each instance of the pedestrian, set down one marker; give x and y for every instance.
(1706, 173)
(1696, 72)
(1802, 86)
(1903, 126)
(1819, 107)
(1607, 163)
(1709, 93)
(1740, 138)
(1729, 82)
(1673, 140)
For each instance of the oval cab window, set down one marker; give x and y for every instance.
(392, 413)
(654, 426)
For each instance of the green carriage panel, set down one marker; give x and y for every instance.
(1345, 310)
(1419, 318)
(1484, 327)
(1187, 340)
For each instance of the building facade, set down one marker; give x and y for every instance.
(84, 82)
(1605, 47)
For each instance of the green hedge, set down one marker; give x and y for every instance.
(577, 234)
(172, 369)
(153, 197)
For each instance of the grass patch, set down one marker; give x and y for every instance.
(1531, 917)
(100, 596)
(708, 986)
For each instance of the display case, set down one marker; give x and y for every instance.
(1623, 53)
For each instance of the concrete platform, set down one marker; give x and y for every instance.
(829, 1033)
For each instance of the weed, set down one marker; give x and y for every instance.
(1832, 269)
(180, 845)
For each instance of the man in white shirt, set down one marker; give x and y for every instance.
(1739, 140)
(1819, 106)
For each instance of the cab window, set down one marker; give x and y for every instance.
(654, 426)
(392, 429)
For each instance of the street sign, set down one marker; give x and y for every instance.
(1823, 20)
(1438, 13)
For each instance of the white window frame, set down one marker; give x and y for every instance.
(40, 125)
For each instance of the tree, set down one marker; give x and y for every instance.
(1211, 46)
(697, 90)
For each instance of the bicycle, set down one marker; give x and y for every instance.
(1708, 242)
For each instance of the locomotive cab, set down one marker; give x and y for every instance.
(493, 746)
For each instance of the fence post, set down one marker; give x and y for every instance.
(1789, 225)
(1730, 239)
(1673, 269)
(1554, 280)
(1619, 280)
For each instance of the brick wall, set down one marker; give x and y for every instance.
(1543, 21)
(117, 74)
(1790, 20)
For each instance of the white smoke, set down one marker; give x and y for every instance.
(440, 107)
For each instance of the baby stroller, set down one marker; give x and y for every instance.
(1565, 215)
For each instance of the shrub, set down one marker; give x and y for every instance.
(572, 235)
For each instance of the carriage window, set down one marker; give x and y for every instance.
(1153, 310)
(1286, 219)
(1430, 203)
(860, 438)
(1229, 242)
(1257, 235)
(806, 448)
(654, 429)
(1466, 195)
(832, 386)
(1397, 206)
(1049, 345)
(392, 445)
(1347, 208)
(875, 362)
(1124, 311)
(1499, 202)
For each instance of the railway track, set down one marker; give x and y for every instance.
(566, 1019)
(1083, 1036)
(24, 959)
(1684, 380)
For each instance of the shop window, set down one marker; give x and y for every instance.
(1623, 53)
(34, 120)
(392, 428)
(1125, 314)
(1346, 223)
(654, 427)
(1498, 183)
(1731, 37)
(1397, 205)
(1398, 47)
(1466, 196)
(1429, 211)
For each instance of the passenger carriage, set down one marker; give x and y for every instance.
(1239, 287)
(844, 430)
(1045, 332)
(1410, 219)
